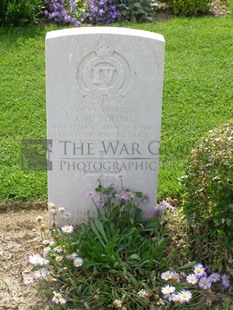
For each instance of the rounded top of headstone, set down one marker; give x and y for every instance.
(104, 30)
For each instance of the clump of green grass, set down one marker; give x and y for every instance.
(118, 260)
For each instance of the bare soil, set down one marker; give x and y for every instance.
(219, 8)
(17, 231)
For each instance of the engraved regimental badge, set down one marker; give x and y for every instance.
(104, 74)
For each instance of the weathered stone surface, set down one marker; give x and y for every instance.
(104, 95)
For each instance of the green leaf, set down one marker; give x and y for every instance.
(151, 226)
(135, 256)
(94, 229)
(161, 242)
(187, 266)
(221, 233)
(141, 270)
(100, 228)
(87, 306)
(134, 281)
(139, 194)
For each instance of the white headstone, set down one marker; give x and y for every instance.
(104, 95)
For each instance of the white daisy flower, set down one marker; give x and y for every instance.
(67, 229)
(168, 289)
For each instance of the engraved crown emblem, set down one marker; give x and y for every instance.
(104, 74)
(103, 50)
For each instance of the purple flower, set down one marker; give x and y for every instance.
(90, 194)
(101, 12)
(142, 293)
(199, 270)
(100, 203)
(214, 277)
(62, 11)
(163, 205)
(71, 256)
(158, 209)
(58, 249)
(204, 283)
(78, 261)
(145, 197)
(166, 205)
(58, 299)
(41, 273)
(121, 195)
(225, 280)
(72, 5)
(66, 215)
(167, 275)
(129, 195)
(120, 175)
(28, 279)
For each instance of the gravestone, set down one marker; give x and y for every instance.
(104, 95)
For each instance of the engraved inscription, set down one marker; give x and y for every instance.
(104, 74)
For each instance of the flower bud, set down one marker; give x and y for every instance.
(39, 219)
(53, 212)
(42, 227)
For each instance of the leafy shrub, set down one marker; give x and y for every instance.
(208, 204)
(190, 7)
(136, 10)
(16, 12)
(3, 9)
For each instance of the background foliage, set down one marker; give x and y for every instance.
(18, 12)
(190, 7)
(136, 10)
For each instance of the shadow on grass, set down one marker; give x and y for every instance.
(10, 35)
